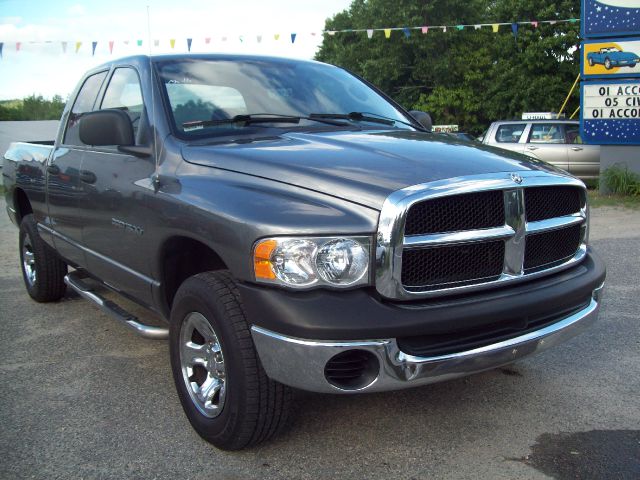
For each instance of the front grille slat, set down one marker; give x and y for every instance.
(549, 248)
(542, 203)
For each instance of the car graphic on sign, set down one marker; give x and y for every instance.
(612, 57)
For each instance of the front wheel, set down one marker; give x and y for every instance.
(42, 269)
(607, 64)
(222, 386)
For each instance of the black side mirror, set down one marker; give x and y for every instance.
(106, 127)
(423, 118)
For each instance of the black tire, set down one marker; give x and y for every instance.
(591, 62)
(43, 270)
(607, 64)
(255, 407)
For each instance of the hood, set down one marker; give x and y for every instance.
(364, 166)
(627, 56)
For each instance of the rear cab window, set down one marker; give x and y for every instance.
(510, 132)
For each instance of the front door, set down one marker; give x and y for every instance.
(546, 142)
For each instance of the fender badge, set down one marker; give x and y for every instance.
(516, 178)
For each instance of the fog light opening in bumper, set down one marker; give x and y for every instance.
(352, 370)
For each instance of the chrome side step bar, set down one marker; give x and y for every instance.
(74, 280)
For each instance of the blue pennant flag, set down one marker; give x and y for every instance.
(514, 29)
(407, 32)
(93, 48)
(293, 37)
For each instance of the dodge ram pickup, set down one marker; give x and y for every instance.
(296, 228)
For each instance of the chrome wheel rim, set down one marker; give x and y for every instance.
(202, 363)
(28, 261)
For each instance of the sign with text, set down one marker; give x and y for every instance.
(610, 112)
(612, 58)
(609, 18)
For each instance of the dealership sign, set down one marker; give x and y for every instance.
(607, 18)
(611, 112)
(611, 58)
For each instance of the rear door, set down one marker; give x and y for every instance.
(546, 141)
(509, 136)
(64, 192)
(584, 160)
(117, 187)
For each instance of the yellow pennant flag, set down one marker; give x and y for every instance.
(387, 32)
(78, 45)
(172, 42)
(495, 27)
(276, 36)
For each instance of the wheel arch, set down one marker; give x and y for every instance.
(21, 204)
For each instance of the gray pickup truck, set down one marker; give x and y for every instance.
(295, 227)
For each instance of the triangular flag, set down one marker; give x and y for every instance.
(110, 46)
(425, 29)
(407, 32)
(444, 29)
(1, 45)
(241, 38)
(93, 48)
(293, 37)
(259, 38)
(477, 27)
(535, 24)
(156, 43)
(495, 27)
(369, 33)
(172, 42)
(460, 27)
(207, 40)
(552, 22)
(126, 42)
(64, 47)
(331, 32)
(276, 36)
(189, 40)
(514, 29)
(139, 42)
(574, 20)
(18, 44)
(313, 34)
(387, 32)
(224, 39)
(78, 45)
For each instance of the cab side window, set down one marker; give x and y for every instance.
(84, 103)
(546, 133)
(124, 93)
(510, 133)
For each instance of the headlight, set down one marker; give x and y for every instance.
(317, 261)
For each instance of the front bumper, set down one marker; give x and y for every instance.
(301, 363)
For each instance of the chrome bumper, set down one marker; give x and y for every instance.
(300, 363)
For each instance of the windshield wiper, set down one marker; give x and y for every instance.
(360, 117)
(257, 118)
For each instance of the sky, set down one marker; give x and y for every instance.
(41, 66)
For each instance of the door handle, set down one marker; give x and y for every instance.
(576, 149)
(53, 169)
(531, 147)
(87, 176)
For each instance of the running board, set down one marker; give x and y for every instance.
(74, 280)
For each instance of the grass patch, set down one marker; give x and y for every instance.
(596, 199)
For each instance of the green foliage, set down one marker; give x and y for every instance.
(621, 181)
(32, 108)
(469, 77)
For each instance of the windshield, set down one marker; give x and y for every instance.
(202, 91)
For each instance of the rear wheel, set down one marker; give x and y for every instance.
(222, 386)
(591, 62)
(42, 269)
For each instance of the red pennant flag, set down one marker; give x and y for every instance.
(18, 44)
(425, 29)
(110, 46)
(207, 40)
(535, 24)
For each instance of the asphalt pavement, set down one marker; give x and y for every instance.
(83, 397)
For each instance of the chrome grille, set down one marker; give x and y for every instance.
(474, 232)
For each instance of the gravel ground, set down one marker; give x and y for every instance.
(83, 397)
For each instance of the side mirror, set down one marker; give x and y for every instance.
(106, 127)
(423, 118)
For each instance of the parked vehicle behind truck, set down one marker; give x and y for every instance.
(296, 228)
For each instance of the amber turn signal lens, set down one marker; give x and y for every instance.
(262, 259)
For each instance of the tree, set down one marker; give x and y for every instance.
(469, 77)
(33, 107)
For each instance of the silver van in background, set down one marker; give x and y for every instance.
(554, 141)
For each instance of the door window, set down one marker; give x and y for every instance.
(572, 134)
(546, 133)
(124, 93)
(84, 103)
(510, 133)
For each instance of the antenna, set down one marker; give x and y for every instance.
(156, 177)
